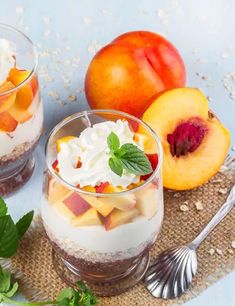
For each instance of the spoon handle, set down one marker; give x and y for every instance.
(222, 212)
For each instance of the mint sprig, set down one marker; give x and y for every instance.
(128, 157)
(11, 233)
(78, 296)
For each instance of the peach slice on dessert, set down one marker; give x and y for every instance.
(21, 115)
(147, 201)
(90, 217)
(7, 122)
(76, 204)
(62, 140)
(8, 100)
(64, 210)
(195, 143)
(24, 95)
(56, 191)
(118, 217)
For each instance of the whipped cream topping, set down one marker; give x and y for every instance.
(7, 60)
(92, 149)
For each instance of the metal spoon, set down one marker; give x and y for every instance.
(173, 270)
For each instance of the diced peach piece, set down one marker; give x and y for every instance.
(118, 217)
(24, 95)
(122, 202)
(62, 140)
(19, 114)
(56, 191)
(7, 122)
(34, 85)
(17, 76)
(147, 201)
(103, 208)
(90, 217)
(76, 204)
(64, 210)
(6, 101)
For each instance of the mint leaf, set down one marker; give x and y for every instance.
(65, 293)
(9, 238)
(23, 224)
(12, 291)
(88, 298)
(116, 165)
(134, 160)
(3, 208)
(5, 280)
(113, 141)
(64, 302)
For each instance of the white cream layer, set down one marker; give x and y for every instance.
(7, 61)
(96, 239)
(92, 148)
(25, 132)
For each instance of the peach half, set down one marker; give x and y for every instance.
(195, 143)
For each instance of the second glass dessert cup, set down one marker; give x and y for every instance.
(102, 238)
(21, 109)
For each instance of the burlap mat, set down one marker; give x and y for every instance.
(34, 268)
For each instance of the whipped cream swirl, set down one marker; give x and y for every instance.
(7, 58)
(92, 149)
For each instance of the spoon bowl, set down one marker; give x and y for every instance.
(172, 272)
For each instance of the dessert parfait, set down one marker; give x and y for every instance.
(21, 113)
(103, 205)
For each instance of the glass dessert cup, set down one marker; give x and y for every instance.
(21, 111)
(102, 238)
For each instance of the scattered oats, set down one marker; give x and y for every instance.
(211, 251)
(86, 20)
(54, 95)
(201, 61)
(223, 190)
(209, 99)
(184, 207)
(44, 53)
(19, 10)
(233, 148)
(46, 20)
(47, 33)
(199, 205)
(94, 47)
(72, 98)
(216, 181)
(219, 252)
(205, 77)
(233, 244)
(163, 16)
(185, 202)
(230, 251)
(62, 103)
(176, 195)
(225, 55)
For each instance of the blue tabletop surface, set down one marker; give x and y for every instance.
(68, 33)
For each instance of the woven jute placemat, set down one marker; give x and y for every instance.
(216, 257)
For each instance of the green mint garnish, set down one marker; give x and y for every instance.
(128, 157)
(10, 233)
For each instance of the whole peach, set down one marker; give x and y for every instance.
(128, 72)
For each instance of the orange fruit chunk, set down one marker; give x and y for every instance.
(7, 122)
(6, 101)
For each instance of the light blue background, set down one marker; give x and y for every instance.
(65, 31)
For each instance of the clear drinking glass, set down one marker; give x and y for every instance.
(21, 111)
(111, 255)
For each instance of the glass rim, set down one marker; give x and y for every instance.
(35, 55)
(110, 111)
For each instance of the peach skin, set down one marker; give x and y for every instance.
(126, 73)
